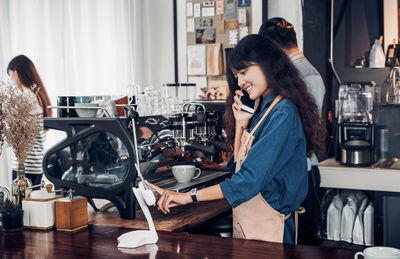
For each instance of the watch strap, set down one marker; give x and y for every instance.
(193, 193)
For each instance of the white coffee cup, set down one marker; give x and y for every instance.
(89, 110)
(379, 252)
(185, 173)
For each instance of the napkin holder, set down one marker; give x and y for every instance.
(39, 212)
(137, 238)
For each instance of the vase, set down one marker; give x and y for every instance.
(11, 222)
(19, 186)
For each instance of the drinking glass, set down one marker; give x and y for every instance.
(148, 93)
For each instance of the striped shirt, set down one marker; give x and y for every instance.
(34, 160)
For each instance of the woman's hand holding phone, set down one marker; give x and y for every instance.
(248, 105)
(242, 117)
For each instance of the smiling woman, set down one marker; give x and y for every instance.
(269, 167)
(252, 76)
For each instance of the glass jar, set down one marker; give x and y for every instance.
(19, 186)
(383, 133)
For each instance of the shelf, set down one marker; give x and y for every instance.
(334, 175)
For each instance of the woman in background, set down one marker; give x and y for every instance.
(23, 72)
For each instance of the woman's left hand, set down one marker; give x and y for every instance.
(169, 198)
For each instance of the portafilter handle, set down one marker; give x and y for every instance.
(198, 147)
(218, 144)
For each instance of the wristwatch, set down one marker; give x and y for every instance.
(193, 195)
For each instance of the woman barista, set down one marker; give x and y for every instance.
(271, 182)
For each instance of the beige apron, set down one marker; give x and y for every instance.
(255, 218)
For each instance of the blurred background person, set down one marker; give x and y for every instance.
(24, 74)
(282, 33)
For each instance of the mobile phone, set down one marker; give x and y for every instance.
(247, 103)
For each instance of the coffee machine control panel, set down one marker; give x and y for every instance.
(356, 131)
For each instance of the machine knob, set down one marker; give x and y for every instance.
(130, 112)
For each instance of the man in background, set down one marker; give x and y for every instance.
(282, 33)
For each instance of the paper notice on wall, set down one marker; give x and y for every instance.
(230, 9)
(219, 8)
(189, 9)
(196, 10)
(190, 25)
(242, 16)
(233, 37)
(207, 11)
(208, 3)
(232, 25)
(243, 3)
(205, 22)
(196, 56)
(201, 84)
(243, 32)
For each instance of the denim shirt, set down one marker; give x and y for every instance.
(276, 163)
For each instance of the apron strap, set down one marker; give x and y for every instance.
(300, 210)
(287, 216)
(297, 56)
(277, 99)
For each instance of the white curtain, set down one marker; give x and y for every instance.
(293, 14)
(89, 47)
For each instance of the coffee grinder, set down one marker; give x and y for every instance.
(356, 129)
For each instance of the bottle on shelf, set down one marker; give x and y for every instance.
(383, 150)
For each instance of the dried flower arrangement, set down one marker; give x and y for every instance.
(1, 135)
(18, 125)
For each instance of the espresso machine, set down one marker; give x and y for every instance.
(356, 128)
(97, 156)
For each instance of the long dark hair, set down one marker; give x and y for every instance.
(29, 76)
(282, 78)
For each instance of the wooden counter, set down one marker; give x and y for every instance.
(101, 242)
(183, 218)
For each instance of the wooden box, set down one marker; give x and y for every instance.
(71, 215)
